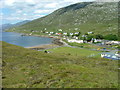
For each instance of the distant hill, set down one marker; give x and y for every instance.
(5, 26)
(8, 25)
(21, 23)
(86, 16)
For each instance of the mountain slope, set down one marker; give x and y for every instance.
(83, 17)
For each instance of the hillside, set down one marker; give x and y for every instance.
(83, 17)
(24, 68)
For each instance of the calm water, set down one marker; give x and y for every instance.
(24, 41)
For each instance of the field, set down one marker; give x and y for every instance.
(75, 52)
(64, 67)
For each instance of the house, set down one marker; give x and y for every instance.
(45, 28)
(46, 32)
(71, 40)
(74, 40)
(30, 34)
(51, 32)
(71, 34)
(79, 41)
(96, 40)
(84, 35)
(64, 33)
(76, 33)
(75, 37)
(89, 32)
(60, 30)
(58, 33)
(115, 42)
(112, 42)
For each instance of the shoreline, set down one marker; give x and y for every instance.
(56, 42)
(43, 47)
(25, 34)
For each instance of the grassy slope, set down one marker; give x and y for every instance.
(29, 68)
(100, 18)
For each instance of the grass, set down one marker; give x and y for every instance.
(24, 68)
(74, 52)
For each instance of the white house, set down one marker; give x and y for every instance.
(84, 35)
(60, 30)
(76, 32)
(71, 34)
(46, 32)
(30, 34)
(79, 41)
(64, 33)
(89, 32)
(75, 37)
(74, 40)
(51, 32)
(113, 42)
(45, 28)
(97, 40)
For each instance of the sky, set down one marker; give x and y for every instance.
(13, 11)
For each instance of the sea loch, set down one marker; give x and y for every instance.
(24, 41)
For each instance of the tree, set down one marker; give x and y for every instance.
(79, 34)
(99, 36)
(68, 34)
(89, 37)
(111, 37)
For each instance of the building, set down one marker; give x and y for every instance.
(64, 33)
(89, 32)
(74, 40)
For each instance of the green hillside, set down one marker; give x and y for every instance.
(24, 68)
(83, 17)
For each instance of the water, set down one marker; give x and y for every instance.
(24, 41)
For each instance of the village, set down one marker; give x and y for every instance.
(88, 37)
(109, 45)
